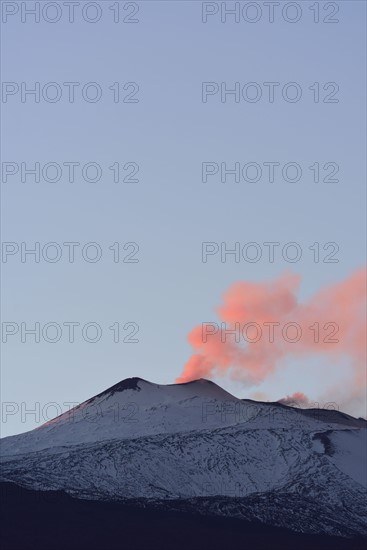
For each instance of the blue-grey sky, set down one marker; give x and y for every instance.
(169, 132)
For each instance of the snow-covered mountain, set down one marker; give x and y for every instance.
(196, 446)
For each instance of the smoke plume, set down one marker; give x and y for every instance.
(298, 399)
(262, 324)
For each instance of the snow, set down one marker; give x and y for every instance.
(195, 440)
(135, 407)
(350, 453)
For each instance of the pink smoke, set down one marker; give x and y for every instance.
(338, 310)
(298, 398)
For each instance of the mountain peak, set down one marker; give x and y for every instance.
(196, 382)
(126, 384)
(133, 384)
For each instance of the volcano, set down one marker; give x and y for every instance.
(195, 450)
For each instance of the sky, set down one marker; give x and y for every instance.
(150, 101)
